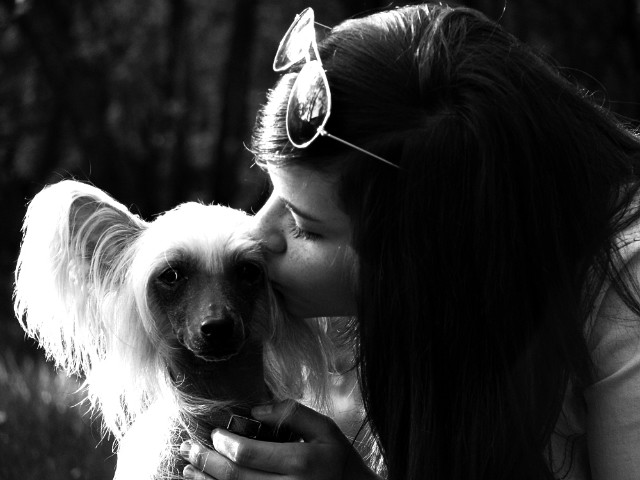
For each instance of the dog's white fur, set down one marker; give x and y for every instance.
(82, 290)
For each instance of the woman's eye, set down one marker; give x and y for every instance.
(297, 232)
(171, 276)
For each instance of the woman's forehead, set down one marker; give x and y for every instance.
(310, 192)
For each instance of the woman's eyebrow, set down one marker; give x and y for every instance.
(300, 213)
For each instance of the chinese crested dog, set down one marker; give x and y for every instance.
(171, 324)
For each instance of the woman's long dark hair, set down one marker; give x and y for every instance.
(481, 257)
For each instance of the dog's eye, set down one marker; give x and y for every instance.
(171, 276)
(249, 273)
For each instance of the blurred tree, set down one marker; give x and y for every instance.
(169, 138)
(233, 116)
(79, 57)
(76, 77)
(356, 7)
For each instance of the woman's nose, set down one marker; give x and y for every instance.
(268, 228)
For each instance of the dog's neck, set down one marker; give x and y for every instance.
(236, 381)
(239, 379)
(221, 394)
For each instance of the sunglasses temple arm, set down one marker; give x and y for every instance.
(322, 25)
(324, 133)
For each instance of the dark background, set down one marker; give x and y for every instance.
(152, 101)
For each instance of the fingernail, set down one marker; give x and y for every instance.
(217, 440)
(224, 445)
(185, 448)
(191, 473)
(188, 472)
(261, 410)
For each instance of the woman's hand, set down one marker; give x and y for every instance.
(325, 453)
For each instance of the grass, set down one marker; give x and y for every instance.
(44, 433)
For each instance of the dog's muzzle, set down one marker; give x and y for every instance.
(218, 329)
(216, 338)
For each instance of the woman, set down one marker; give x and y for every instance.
(477, 214)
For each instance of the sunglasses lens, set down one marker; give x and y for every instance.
(297, 42)
(309, 105)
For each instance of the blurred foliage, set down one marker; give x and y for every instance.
(40, 436)
(153, 100)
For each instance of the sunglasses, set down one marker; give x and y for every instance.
(309, 103)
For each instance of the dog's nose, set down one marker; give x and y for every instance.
(217, 328)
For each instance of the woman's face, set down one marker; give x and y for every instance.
(307, 238)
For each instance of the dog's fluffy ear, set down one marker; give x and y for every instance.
(100, 229)
(75, 237)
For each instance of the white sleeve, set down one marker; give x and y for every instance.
(613, 401)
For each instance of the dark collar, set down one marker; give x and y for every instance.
(239, 421)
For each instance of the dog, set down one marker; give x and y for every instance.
(171, 324)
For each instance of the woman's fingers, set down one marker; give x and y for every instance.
(190, 473)
(205, 464)
(279, 458)
(323, 441)
(325, 452)
(309, 424)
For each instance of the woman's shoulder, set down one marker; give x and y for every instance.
(607, 411)
(613, 339)
(628, 242)
(613, 333)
